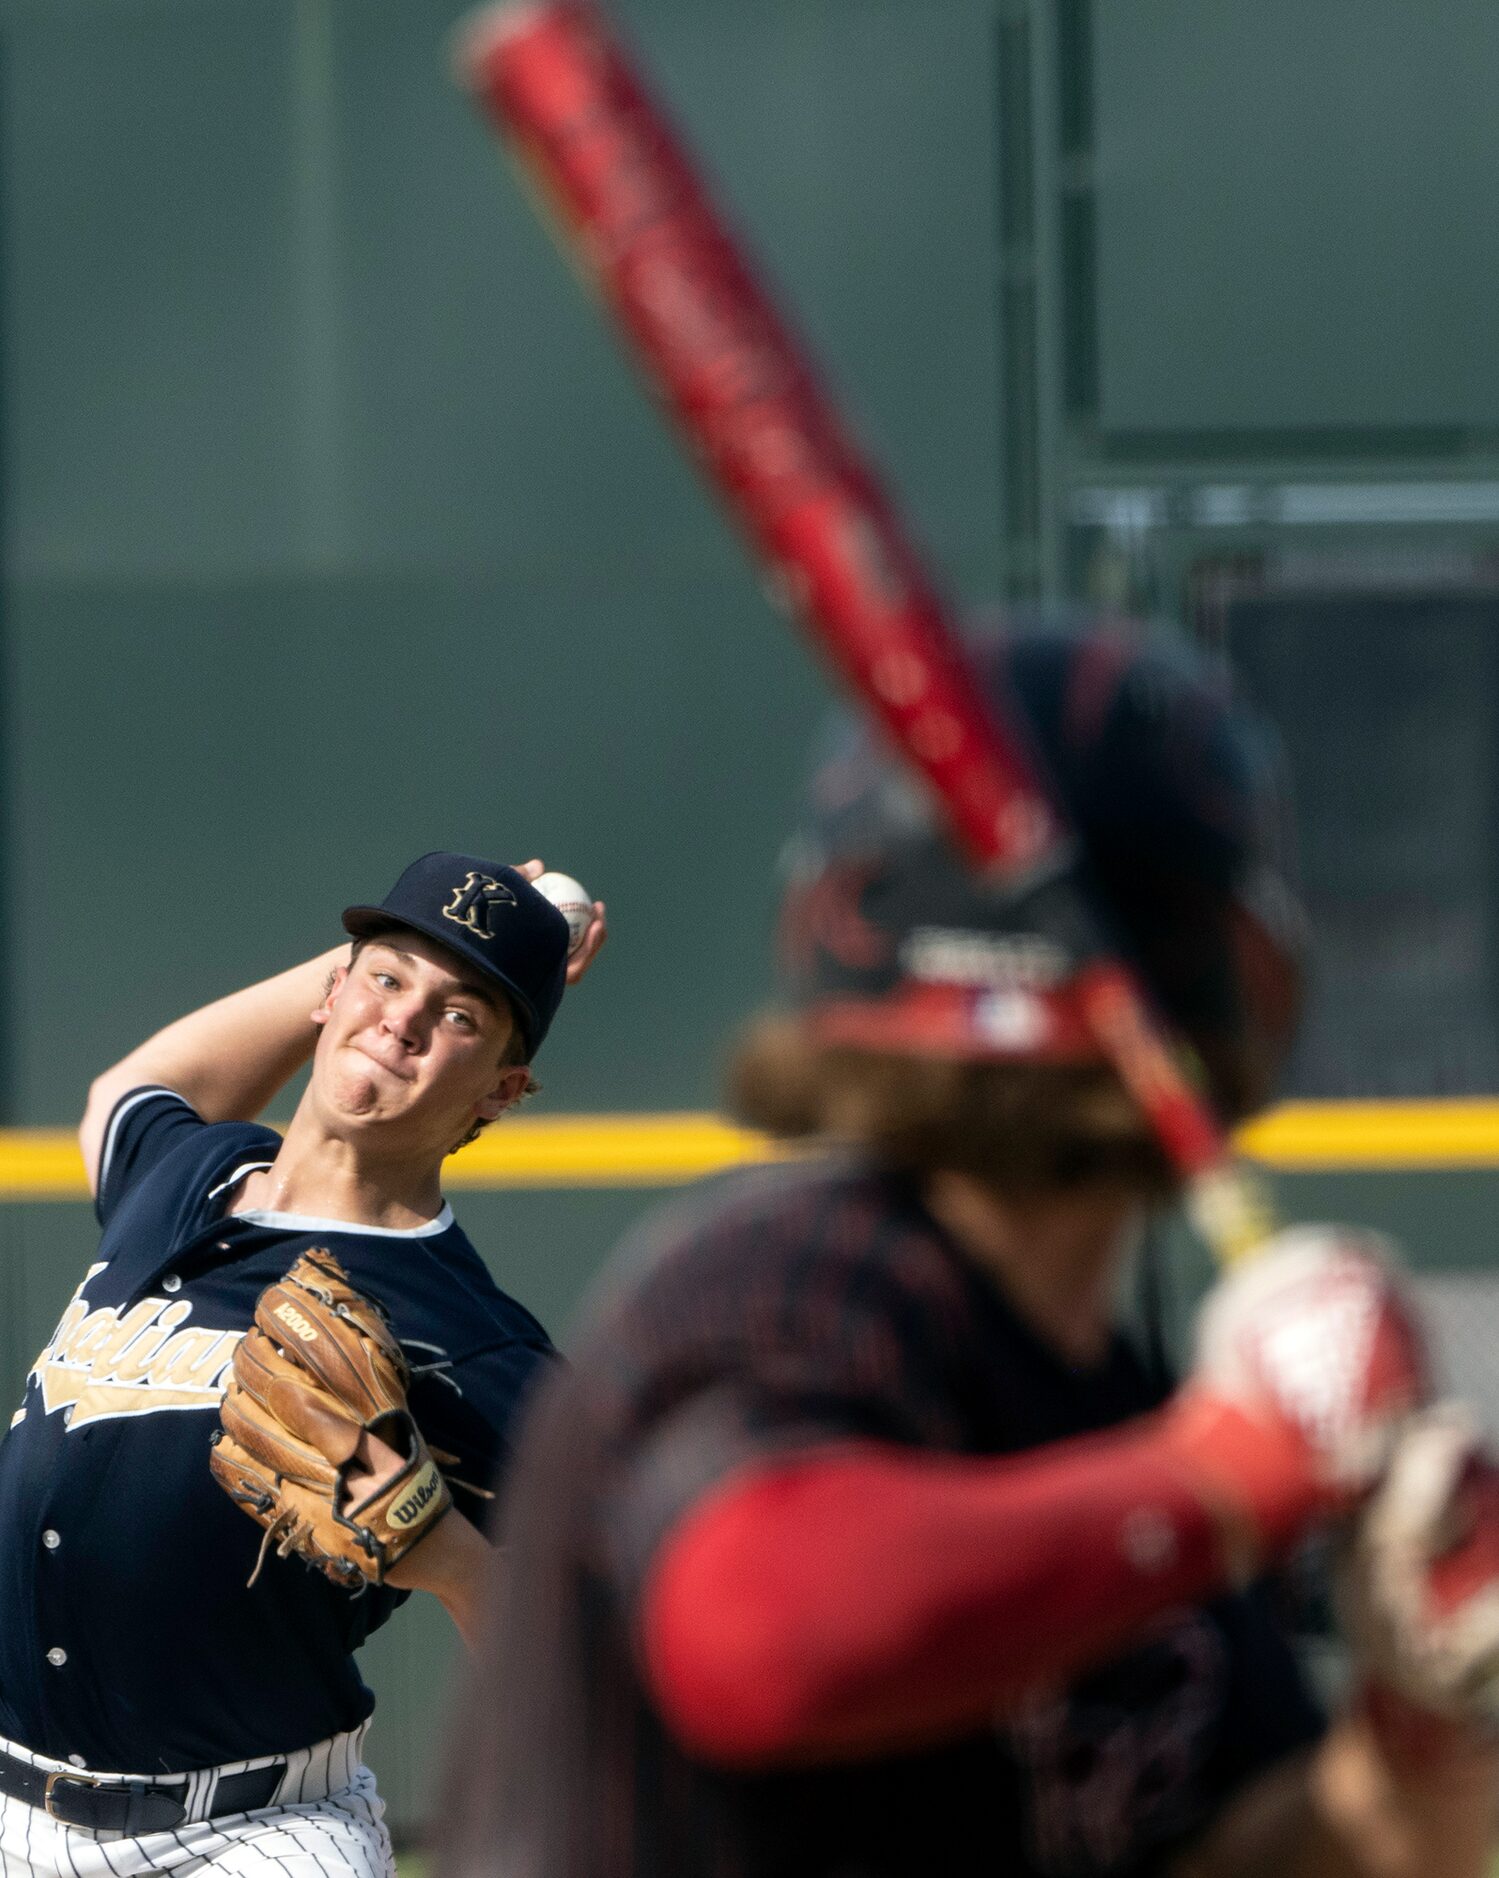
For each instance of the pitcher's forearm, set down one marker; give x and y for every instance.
(229, 1058)
(451, 1563)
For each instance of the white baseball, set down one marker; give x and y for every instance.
(570, 897)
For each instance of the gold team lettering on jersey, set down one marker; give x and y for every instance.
(107, 1361)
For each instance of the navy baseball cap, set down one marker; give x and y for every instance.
(493, 919)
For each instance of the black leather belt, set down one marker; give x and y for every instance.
(131, 1806)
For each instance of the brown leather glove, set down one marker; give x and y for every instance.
(319, 1369)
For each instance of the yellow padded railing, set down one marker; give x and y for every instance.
(666, 1149)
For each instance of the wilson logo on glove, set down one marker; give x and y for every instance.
(419, 1502)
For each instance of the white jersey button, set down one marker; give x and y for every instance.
(52, 1540)
(57, 1656)
(171, 1282)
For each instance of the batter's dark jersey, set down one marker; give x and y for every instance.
(785, 1309)
(128, 1636)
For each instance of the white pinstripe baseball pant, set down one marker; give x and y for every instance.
(325, 1821)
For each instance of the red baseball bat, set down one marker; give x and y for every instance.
(741, 390)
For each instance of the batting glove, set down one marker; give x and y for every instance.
(1309, 1362)
(1418, 1578)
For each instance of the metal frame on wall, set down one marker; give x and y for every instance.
(1123, 516)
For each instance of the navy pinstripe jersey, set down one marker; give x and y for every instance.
(773, 1312)
(129, 1637)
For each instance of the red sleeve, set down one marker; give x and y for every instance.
(861, 1598)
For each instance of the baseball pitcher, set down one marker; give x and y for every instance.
(178, 1683)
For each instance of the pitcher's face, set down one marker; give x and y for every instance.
(412, 1040)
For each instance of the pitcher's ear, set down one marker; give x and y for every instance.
(512, 1085)
(336, 980)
